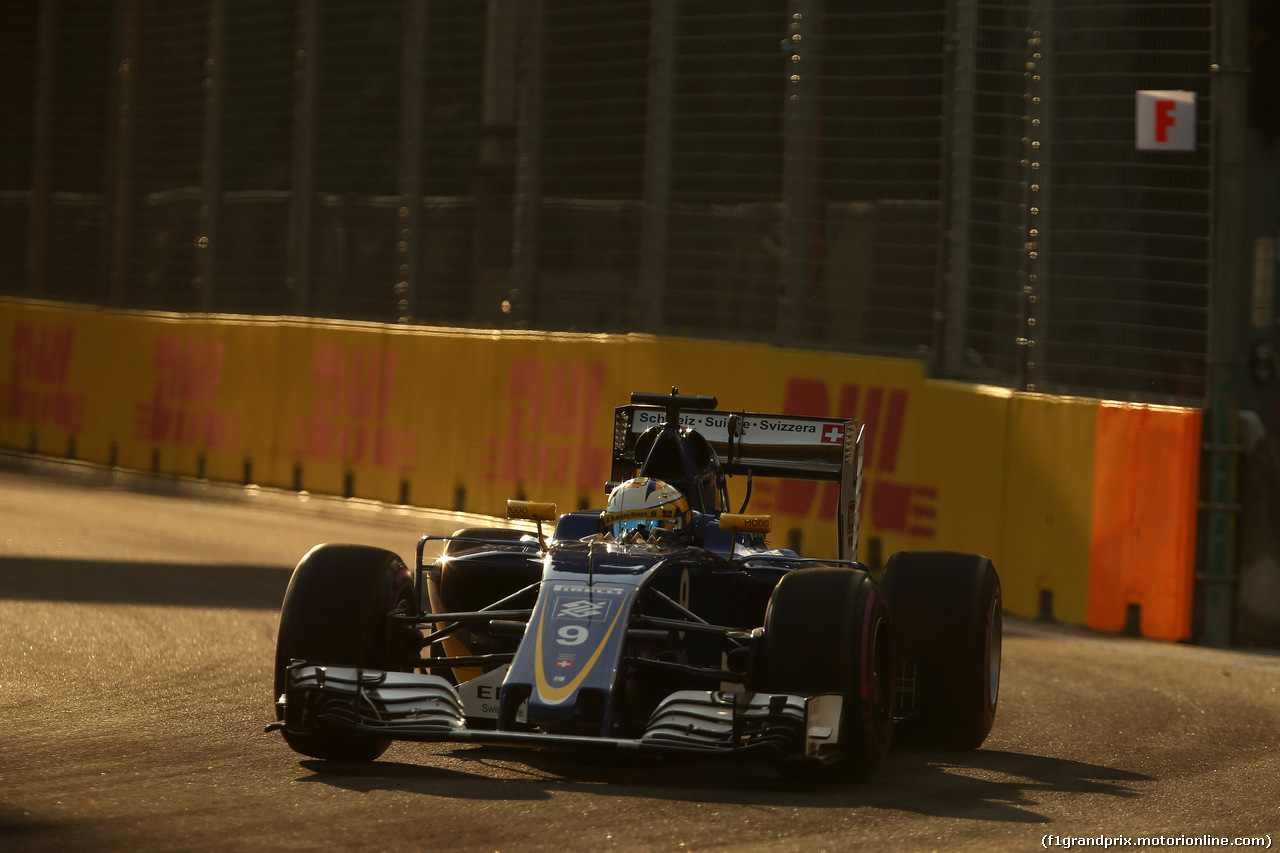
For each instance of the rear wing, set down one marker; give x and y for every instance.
(759, 444)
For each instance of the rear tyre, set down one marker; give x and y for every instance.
(947, 631)
(336, 612)
(827, 630)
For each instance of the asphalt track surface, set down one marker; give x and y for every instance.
(136, 639)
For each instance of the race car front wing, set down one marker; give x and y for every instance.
(418, 707)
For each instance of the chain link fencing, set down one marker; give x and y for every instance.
(948, 180)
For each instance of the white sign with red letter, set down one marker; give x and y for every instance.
(1166, 120)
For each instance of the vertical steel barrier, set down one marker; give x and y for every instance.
(803, 51)
(528, 178)
(655, 221)
(1036, 206)
(127, 40)
(302, 183)
(957, 186)
(41, 144)
(409, 212)
(1222, 442)
(207, 242)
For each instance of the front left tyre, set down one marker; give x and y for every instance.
(338, 611)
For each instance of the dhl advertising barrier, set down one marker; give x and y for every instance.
(1087, 508)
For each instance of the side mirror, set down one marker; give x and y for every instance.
(742, 523)
(533, 511)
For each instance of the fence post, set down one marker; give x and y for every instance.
(409, 216)
(207, 247)
(800, 138)
(1031, 298)
(491, 240)
(41, 160)
(957, 187)
(655, 226)
(303, 177)
(528, 178)
(127, 38)
(1227, 281)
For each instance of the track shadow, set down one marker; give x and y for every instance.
(21, 831)
(173, 584)
(985, 785)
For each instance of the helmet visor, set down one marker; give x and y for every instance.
(619, 523)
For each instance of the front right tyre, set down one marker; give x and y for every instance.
(948, 631)
(338, 611)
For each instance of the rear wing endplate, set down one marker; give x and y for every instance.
(763, 445)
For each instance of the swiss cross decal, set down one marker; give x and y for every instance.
(832, 434)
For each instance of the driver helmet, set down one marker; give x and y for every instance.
(644, 503)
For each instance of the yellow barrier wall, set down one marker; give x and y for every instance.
(1046, 521)
(463, 419)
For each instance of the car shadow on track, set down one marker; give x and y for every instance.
(114, 582)
(987, 785)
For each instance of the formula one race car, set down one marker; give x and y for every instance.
(664, 624)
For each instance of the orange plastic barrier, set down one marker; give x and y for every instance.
(1145, 481)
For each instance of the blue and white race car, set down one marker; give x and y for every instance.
(662, 624)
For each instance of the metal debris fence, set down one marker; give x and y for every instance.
(949, 180)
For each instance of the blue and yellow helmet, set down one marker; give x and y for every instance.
(646, 503)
